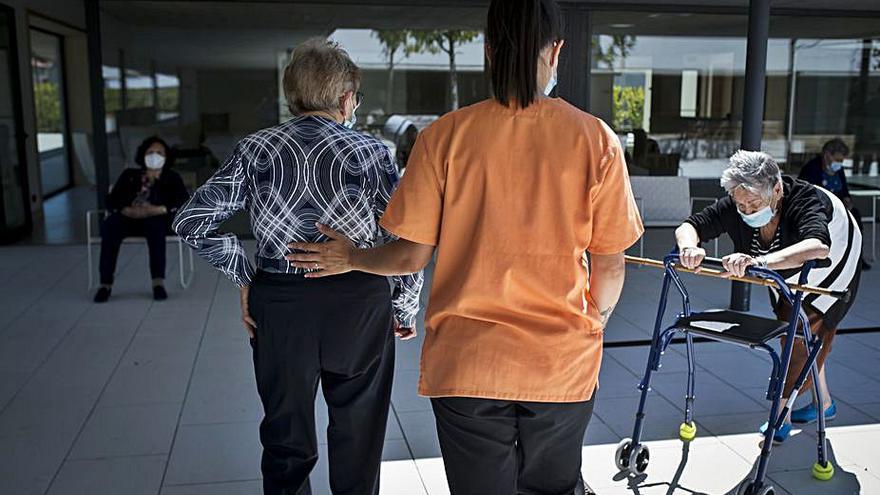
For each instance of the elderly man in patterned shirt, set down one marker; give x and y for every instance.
(313, 169)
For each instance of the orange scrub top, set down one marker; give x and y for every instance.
(512, 198)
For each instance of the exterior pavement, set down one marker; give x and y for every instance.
(136, 397)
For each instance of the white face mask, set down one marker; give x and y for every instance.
(836, 166)
(154, 161)
(550, 85)
(350, 123)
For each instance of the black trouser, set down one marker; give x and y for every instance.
(116, 227)
(508, 447)
(336, 330)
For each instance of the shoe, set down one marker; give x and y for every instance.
(808, 414)
(781, 434)
(159, 293)
(102, 295)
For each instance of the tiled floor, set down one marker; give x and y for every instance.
(139, 397)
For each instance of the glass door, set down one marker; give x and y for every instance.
(51, 111)
(15, 218)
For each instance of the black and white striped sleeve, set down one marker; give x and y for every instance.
(199, 220)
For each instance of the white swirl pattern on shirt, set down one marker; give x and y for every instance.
(289, 177)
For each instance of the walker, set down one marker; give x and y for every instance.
(740, 329)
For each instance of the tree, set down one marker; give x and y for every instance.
(447, 42)
(392, 41)
(621, 45)
(47, 101)
(629, 107)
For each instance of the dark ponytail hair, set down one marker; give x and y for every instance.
(516, 32)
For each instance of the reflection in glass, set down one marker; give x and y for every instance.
(169, 96)
(138, 89)
(112, 95)
(50, 106)
(835, 93)
(674, 83)
(671, 87)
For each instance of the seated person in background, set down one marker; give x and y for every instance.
(142, 204)
(826, 170)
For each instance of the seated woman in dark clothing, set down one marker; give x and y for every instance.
(826, 170)
(142, 204)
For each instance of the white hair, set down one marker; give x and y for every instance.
(755, 171)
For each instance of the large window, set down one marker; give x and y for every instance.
(50, 105)
(830, 87)
(671, 85)
(112, 95)
(138, 89)
(169, 96)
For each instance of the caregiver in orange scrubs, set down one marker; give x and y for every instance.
(511, 192)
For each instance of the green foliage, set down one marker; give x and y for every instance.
(392, 40)
(442, 41)
(47, 100)
(139, 98)
(112, 100)
(439, 41)
(169, 98)
(629, 107)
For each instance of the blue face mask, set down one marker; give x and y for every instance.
(836, 166)
(757, 219)
(550, 85)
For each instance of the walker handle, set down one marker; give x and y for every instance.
(708, 270)
(712, 263)
(716, 263)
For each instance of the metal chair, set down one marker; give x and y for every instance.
(186, 264)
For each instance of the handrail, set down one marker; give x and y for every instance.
(759, 276)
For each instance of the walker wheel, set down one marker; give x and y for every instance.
(638, 459)
(687, 431)
(621, 456)
(823, 473)
(747, 487)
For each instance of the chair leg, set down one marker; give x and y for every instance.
(91, 277)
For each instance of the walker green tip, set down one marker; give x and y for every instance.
(823, 473)
(687, 431)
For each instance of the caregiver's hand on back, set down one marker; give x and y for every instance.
(334, 257)
(328, 258)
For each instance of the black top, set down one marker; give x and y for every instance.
(168, 190)
(808, 212)
(805, 215)
(814, 173)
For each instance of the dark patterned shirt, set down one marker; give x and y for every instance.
(288, 177)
